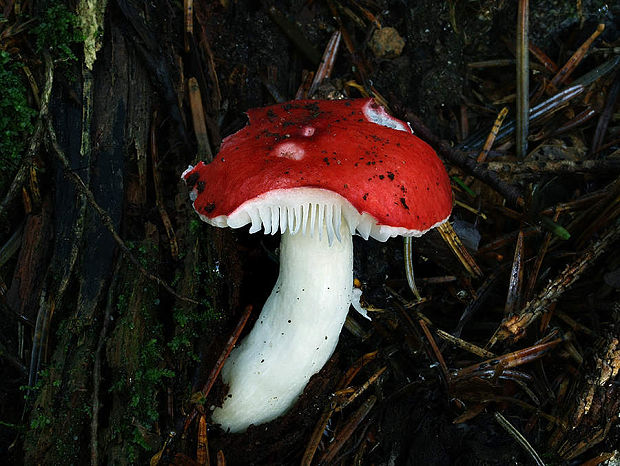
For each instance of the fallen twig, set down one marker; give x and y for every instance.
(317, 433)
(606, 115)
(576, 58)
(482, 156)
(326, 66)
(510, 360)
(555, 167)
(516, 278)
(460, 251)
(361, 389)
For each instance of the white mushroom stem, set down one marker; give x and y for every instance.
(296, 332)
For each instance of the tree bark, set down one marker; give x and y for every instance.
(114, 355)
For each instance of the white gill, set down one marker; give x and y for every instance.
(311, 211)
(307, 219)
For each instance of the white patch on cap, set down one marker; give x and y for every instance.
(289, 150)
(308, 211)
(377, 114)
(307, 131)
(186, 172)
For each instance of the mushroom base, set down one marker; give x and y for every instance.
(295, 334)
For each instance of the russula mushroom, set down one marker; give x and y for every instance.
(317, 172)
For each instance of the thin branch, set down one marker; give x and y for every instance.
(317, 434)
(348, 429)
(514, 433)
(523, 78)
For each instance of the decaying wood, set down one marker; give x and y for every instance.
(159, 193)
(107, 221)
(97, 366)
(594, 411)
(198, 119)
(26, 282)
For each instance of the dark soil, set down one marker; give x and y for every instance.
(422, 415)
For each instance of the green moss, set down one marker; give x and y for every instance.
(138, 350)
(57, 31)
(40, 421)
(144, 251)
(192, 323)
(16, 117)
(46, 388)
(195, 226)
(135, 352)
(200, 277)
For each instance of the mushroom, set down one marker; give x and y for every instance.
(317, 172)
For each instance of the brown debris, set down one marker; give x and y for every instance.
(508, 330)
(515, 326)
(386, 43)
(594, 409)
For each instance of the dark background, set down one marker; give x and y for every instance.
(110, 359)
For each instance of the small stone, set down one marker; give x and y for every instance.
(386, 43)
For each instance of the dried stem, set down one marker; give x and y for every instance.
(523, 78)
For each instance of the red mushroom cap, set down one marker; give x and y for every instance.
(352, 148)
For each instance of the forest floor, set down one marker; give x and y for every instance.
(509, 354)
